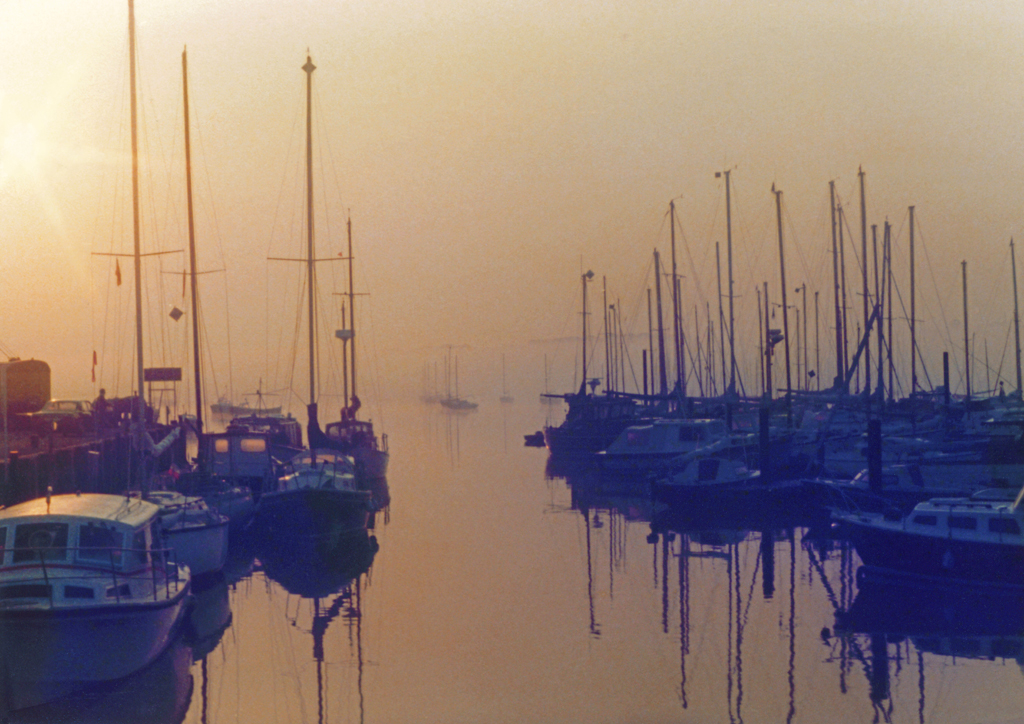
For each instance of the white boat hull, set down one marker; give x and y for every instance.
(47, 653)
(201, 547)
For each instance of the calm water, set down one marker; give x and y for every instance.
(494, 592)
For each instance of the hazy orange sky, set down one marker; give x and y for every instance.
(489, 153)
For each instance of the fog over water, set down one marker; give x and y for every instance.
(489, 154)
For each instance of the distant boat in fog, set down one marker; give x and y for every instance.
(454, 402)
(505, 397)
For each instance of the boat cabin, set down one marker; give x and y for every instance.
(241, 458)
(79, 549)
(664, 439)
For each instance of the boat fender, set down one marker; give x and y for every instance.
(947, 559)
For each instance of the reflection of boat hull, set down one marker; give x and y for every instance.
(314, 512)
(210, 616)
(49, 653)
(161, 692)
(316, 567)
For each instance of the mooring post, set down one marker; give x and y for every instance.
(764, 418)
(875, 456)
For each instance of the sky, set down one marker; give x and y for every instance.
(487, 155)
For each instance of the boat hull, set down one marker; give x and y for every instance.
(47, 653)
(937, 557)
(201, 547)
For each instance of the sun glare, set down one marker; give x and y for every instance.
(20, 150)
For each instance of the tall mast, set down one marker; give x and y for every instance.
(650, 337)
(785, 308)
(608, 383)
(310, 263)
(840, 372)
(768, 346)
(721, 314)
(913, 314)
(585, 277)
(351, 308)
(887, 253)
(842, 293)
(967, 348)
(760, 338)
(728, 238)
(676, 321)
(880, 303)
(140, 417)
(864, 277)
(662, 376)
(192, 253)
(1016, 315)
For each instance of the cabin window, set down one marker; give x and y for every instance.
(638, 438)
(220, 446)
(99, 544)
(922, 519)
(26, 590)
(253, 445)
(963, 522)
(1003, 525)
(139, 548)
(36, 541)
(122, 591)
(690, 434)
(707, 469)
(78, 592)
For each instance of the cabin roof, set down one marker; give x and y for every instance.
(97, 506)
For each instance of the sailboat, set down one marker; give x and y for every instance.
(455, 402)
(505, 397)
(350, 435)
(227, 498)
(198, 535)
(322, 491)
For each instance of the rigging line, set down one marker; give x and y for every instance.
(686, 246)
(218, 237)
(931, 270)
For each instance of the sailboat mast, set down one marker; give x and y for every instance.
(662, 377)
(351, 308)
(967, 348)
(840, 372)
(785, 308)
(864, 280)
(192, 252)
(913, 313)
(732, 320)
(310, 263)
(140, 401)
(680, 377)
(1016, 315)
(721, 313)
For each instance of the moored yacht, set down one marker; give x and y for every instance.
(197, 533)
(959, 539)
(318, 494)
(87, 592)
(653, 443)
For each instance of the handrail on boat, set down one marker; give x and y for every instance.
(167, 563)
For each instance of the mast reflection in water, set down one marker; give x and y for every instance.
(500, 593)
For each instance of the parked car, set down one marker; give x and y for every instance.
(72, 417)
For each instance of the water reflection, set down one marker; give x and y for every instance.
(158, 694)
(900, 622)
(325, 572)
